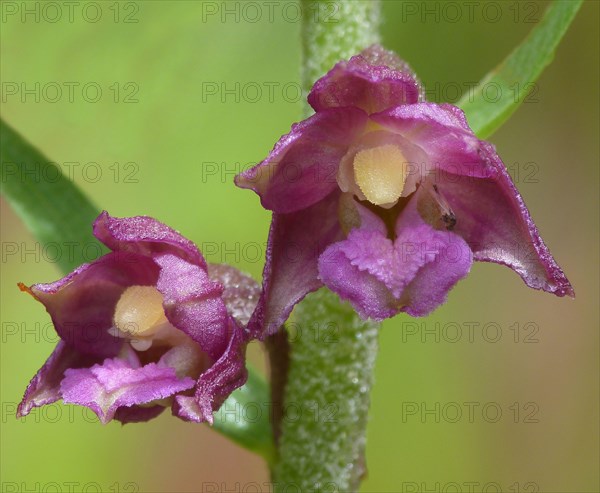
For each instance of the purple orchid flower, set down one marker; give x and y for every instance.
(387, 200)
(146, 326)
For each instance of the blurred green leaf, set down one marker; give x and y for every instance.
(245, 417)
(512, 82)
(57, 212)
(52, 206)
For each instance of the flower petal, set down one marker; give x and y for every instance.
(369, 296)
(493, 219)
(374, 80)
(217, 382)
(302, 167)
(441, 131)
(44, 387)
(381, 277)
(137, 414)
(444, 259)
(82, 304)
(296, 241)
(193, 302)
(144, 235)
(118, 383)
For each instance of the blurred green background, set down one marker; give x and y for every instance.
(165, 107)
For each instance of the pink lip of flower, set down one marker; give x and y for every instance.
(146, 326)
(387, 199)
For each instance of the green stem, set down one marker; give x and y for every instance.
(334, 31)
(326, 403)
(326, 399)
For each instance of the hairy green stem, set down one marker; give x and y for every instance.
(326, 402)
(326, 399)
(334, 31)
